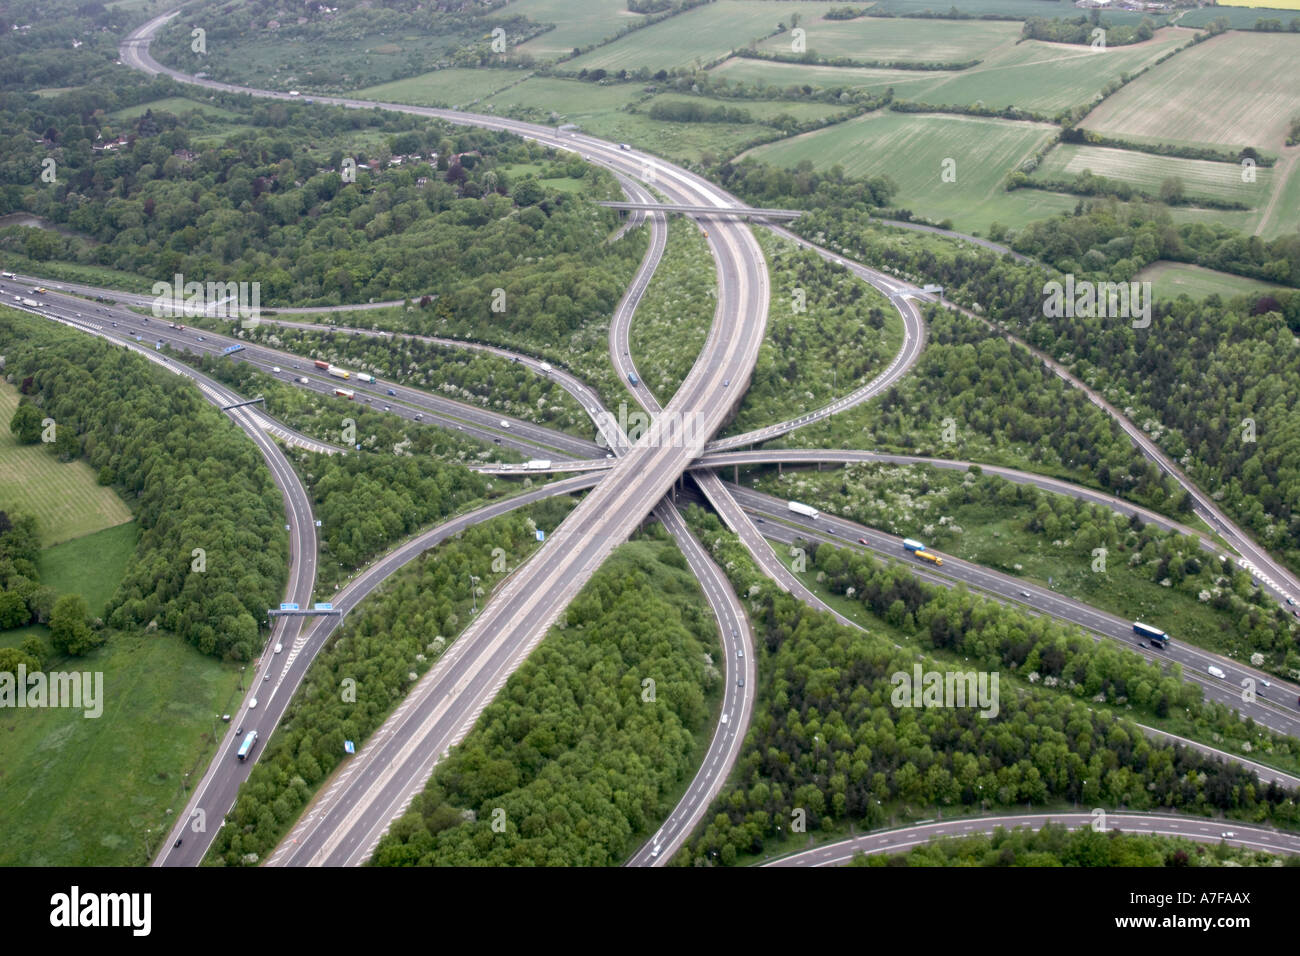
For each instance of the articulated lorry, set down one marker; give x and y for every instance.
(802, 509)
(337, 372)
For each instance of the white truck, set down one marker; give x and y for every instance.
(802, 509)
(538, 464)
(365, 377)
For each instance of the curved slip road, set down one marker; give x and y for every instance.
(208, 801)
(899, 840)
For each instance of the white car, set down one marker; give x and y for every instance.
(655, 851)
(293, 92)
(275, 369)
(1228, 834)
(504, 423)
(252, 704)
(1215, 672)
(279, 648)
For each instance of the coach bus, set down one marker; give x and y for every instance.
(246, 747)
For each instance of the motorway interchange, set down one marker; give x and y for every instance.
(639, 478)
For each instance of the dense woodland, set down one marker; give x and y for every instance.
(193, 479)
(1239, 354)
(22, 597)
(999, 405)
(355, 682)
(367, 503)
(582, 764)
(1081, 30)
(826, 738)
(340, 46)
(826, 335)
(261, 209)
(68, 43)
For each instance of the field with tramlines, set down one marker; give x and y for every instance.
(1235, 90)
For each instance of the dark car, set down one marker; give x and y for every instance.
(391, 392)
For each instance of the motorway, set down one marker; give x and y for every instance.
(516, 619)
(846, 456)
(1164, 824)
(219, 776)
(283, 674)
(275, 678)
(410, 403)
(442, 707)
(738, 653)
(1276, 706)
(728, 737)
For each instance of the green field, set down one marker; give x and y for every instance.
(90, 566)
(1169, 280)
(1147, 171)
(598, 109)
(85, 792)
(573, 101)
(910, 149)
(576, 24)
(1238, 17)
(1282, 213)
(926, 41)
(977, 8)
(1237, 89)
(1036, 76)
(64, 496)
(907, 84)
(448, 88)
(176, 105)
(698, 36)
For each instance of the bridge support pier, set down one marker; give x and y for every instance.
(735, 474)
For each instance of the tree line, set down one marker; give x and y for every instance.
(212, 552)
